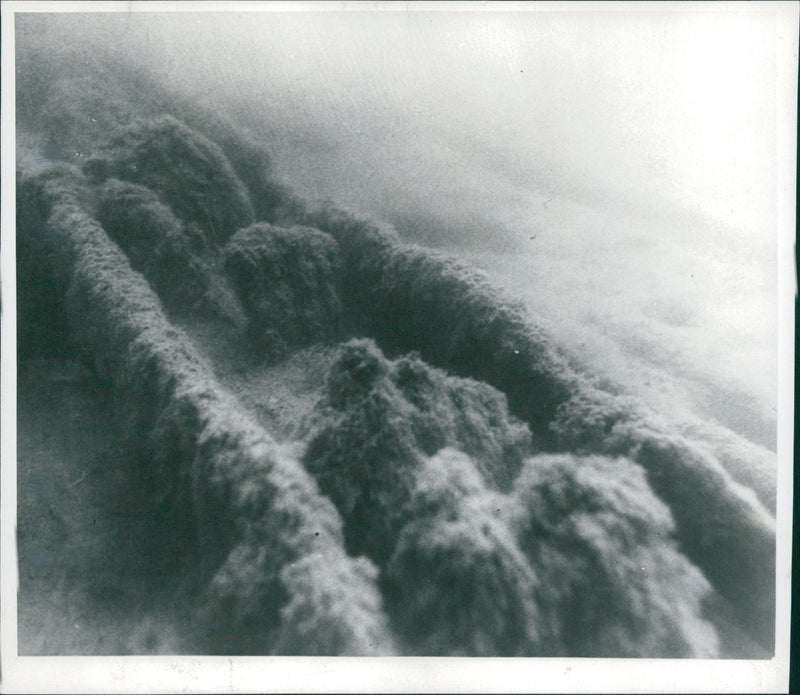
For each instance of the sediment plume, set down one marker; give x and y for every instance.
(446, 376)
(256, 519)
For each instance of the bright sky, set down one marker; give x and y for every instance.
(677, 104)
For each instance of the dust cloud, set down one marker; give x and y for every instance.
(613, 168)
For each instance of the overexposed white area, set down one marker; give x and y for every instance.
(626, 169)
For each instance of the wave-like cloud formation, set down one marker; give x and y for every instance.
(272, 543)
(404, 459)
